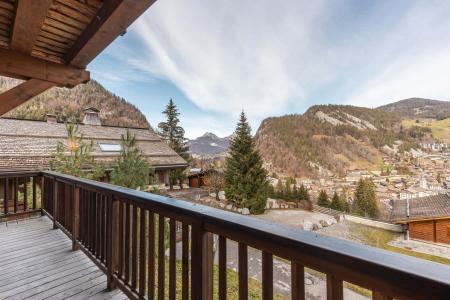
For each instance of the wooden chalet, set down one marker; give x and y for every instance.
(428, 218)
(31, 145)
(117, 235)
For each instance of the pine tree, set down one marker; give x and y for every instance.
(280, 190)
(74, 157)
(337, 202)
(322, 199)
(131, 169)
(173, 134)
(365, 203)
(303, 194)
(245, 177)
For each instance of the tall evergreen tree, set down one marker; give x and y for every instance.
(337, 202)
(365, 203)
(245, 177)
(132, 169)
(171, 132)
(303, 193)
(322, 199)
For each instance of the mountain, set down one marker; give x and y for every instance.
(208, 144)
(419, 108)
(68, 104)
(332, 139)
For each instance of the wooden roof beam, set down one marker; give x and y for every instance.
(23, 66)
(22, 93)
(30, 15)
(112, 20)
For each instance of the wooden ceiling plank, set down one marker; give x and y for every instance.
(30, 16)
(59, 32)
(49, 42)
(7, 5)
(113, 19)
(48, 57)
(22, 93)
(6, 13)
(67, 20)
(15, 64)
(55, 37)
(70, 12)
(63, 26)
(87, 10)
(5, 20)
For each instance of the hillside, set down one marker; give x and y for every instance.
(419, 108)
(208, 144)
(331, 139)
(68, 104)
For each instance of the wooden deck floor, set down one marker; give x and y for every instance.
(36, 262)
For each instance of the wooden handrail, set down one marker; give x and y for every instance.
(125, 212)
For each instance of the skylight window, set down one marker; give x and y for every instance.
(110, 147)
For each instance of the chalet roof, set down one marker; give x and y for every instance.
(437, 206)
(28, 144)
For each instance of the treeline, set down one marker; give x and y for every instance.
(68, 105)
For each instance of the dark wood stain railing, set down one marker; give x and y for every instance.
(123, 231)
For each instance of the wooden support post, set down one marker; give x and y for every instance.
(335, 289)
(112, 257)
(76, 218)
(55, 202)
(201, 263)
(297, 281)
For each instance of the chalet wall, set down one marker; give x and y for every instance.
(443, 231)
(422, 230)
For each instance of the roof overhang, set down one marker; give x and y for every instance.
(49, 43)
(406, 221)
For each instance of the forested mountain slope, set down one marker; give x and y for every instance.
(331, 139)
(419, 108)
(68, 104)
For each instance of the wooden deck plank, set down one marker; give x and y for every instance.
(39, 264)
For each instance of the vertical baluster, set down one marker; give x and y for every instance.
(297, 281)
(76, 218)
(25, 196)
(172, 260)
(134, 249)
(142, 241)
(121, 240)
(95, 224)
(267, 276)
(243, 272)
(101, 226)
(334, 288)
(5, 196)
(222, 268)
(34, 193)
(185, 262)
(16, 194)
(55, 203)
(89, 218)
(127, 243)
(112, 240)
(161, 258)
(151, 255)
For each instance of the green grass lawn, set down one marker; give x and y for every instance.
(440, 129)
(380, 238)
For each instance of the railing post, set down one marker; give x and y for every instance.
(55, 202)
(76, 218)
(112, 238)
(201, 263)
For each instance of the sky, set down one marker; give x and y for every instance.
(216, 58)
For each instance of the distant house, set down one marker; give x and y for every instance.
(30, 145)
(428, 218)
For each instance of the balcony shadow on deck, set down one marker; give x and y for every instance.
(37, 263)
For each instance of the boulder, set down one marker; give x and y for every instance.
(245, 211)
(239, 210)
(229, 206)
(222, 205)
(315, 226)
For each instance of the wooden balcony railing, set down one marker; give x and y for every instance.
(124, 232)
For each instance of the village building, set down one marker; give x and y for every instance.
(31, 145)
(427, 218)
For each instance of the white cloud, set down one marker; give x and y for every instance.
(273, 57)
